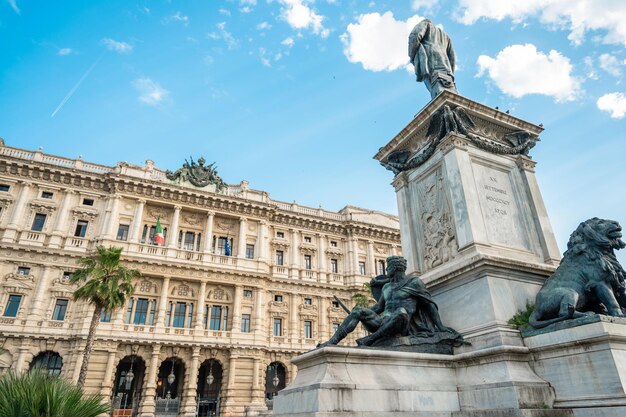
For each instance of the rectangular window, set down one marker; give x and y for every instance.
(141, 311)
(81, 228)
(221, 246)
(380, 267)
(190, 239)
(279, 257)
(335, 327)
(225, 319)
(335, 304)
(278, 298)
(245, 323)
(333, 244)
(189, 316)
(247, 293)
(362, 268)
(46, 194)
(307, 239)
(205, 319)
(249, 251)
(87, 201)
(23, 270)
(308, 329)
(60, 308)
(67, 275)
(278, 327)
(122, 232)
(105, 316)
(152, 312)
(334, 267)
(179, 315)
(308, 301)
(13, 304)
(38, 222)
(5, 187)
(129, 310)
(307, 262)
(216, 317)
(280, 234)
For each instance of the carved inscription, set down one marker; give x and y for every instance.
(500, 208)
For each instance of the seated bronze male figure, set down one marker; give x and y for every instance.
(405, 313)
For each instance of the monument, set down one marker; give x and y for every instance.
(475, 230)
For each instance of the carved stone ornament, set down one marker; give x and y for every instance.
(332, 252)
(84, 213)
(146, 287)
(191, 219)
(18, 283)
(183, 290)
(158, 212)
(456, 120)
(43, 206)
(278, 307)
(280, 243)
(220, 293)
(439, 239)
(307, 248)
(308, 311)
(335, 312)
(198, 174)
(63, 286)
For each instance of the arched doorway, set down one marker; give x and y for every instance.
(128, 385)
(275, 379)
(49, 362)
(209, 388)
(169, 387)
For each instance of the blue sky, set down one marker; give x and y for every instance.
(296, 96)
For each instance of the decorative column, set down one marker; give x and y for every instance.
(59, 225)
(295, 253)
(241, 247)
(40, 295)
(191, 385)
(259, 317)
(323, 319)
(148, 404)
(113, 221)
(137, 220)
(208, 232)
(172, 235)
(371, 261)
(262, 250)
(293, 318)
(107, 382)
(231, 402)
(237, 309)
(394, 250)
(16, 215)
(354, 267)
(163, 303)
(321, 258)
(200, 307)
(21, 355)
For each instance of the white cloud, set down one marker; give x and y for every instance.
(150, 92)
(300, 16)
(113, 45)
(224, 12)
(64, 51)
(177, 17)
(223, 34)
(289, 42)
(263, 26)
(614, 103)
(591, 71)
(13, 4)
(246, 5)
(519, 70)
(379, 42)
(577, 16)
(424, 4)
(610, 64)
(264, 59)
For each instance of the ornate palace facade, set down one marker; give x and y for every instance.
(241, 284)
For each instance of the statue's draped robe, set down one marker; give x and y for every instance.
(421, 322)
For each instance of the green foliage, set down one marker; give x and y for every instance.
(106, 282)
(520, 319)
(35, 394)
(364, 299)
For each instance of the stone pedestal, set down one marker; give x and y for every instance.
(585, 362)
(356, 382)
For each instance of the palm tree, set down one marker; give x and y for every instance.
(364, 299)
(35, 394)
(107, 285)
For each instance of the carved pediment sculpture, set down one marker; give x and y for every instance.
(220, 293)
(85, 213)
(198, 174)
(146, 287)
(308, 311)
(278, 307)
(18, 283)
(183, 290)
(280, 243)
(334, 252)
(307, 248)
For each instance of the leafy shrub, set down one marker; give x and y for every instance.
(520, 319)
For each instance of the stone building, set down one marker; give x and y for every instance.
(241, 284)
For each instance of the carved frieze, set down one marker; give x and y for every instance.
(438, 233)
(191, 219)
(84, 213)
(308, 311)
(220, 293)
(278, 307)
(158, 212)
(147, 287)
(43, 206)
(280, 243)
(183, 290)
(18, 283)
(332, 252)
(307, 248)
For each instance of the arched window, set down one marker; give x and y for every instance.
(50, 362)
(275, 379)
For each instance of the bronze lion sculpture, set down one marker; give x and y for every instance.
(589, 279)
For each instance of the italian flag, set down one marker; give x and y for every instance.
(159, 238)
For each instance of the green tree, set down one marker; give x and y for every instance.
(35, 394)
(107, 285)
(364, 299)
